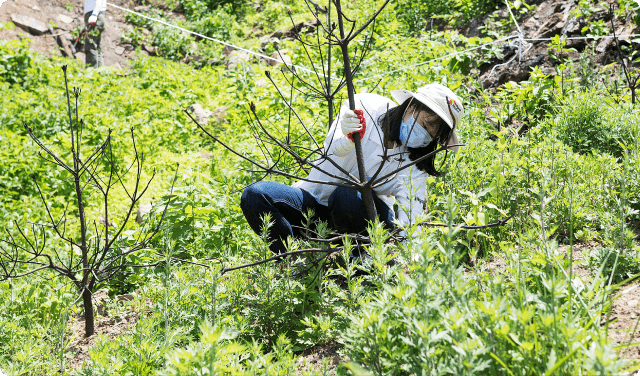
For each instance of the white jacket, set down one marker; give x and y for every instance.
(95, 6)
(342, 151)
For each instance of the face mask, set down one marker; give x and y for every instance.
(419, 136)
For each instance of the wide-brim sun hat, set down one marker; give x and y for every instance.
(435, 96)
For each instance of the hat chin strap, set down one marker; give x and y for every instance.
(405, 110)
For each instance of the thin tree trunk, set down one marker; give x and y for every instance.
(89, 328)
(329, 95)
(367, 192)
(86, 273)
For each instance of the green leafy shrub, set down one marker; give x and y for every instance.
(220, 24)
(139, 353)
(203, 218)
(587, 123)
(627, 263)
(16, 63)
(133, 36)
(237, 6)
(172, 43)
(437, 320)
(416, 14)
(13, 182)
(216, 353)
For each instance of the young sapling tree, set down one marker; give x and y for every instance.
(92, 255)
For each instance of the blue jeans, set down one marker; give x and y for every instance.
(346, 212)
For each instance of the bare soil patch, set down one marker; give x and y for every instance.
(625, 316)
(625, 311)
(315, 358)
(497, 264)
(111, 325)
(580, 253)
(58, 12)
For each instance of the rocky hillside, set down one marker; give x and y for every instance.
(33, 17)
(541, 21)
(549, 19)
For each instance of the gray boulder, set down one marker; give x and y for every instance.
(29, 24)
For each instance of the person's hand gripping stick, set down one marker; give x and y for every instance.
(353, 122)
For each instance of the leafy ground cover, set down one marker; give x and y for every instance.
(447, 308)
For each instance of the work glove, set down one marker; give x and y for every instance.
(92, 19)
(353, 122)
